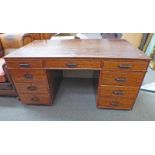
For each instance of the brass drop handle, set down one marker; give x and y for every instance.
(32, 88)
(24, 65)
(115, 104)
(71, 65)
(125, 66)
(121, 79)
(35, 99)
(118, 92)
(28, 76)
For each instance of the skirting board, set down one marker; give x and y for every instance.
(148, 87)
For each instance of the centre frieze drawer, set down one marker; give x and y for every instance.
(73, 63)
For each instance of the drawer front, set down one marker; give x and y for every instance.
(118, 91)
(115, 103)
(126, 65)
(24, 64)
(32, 87)
(28, 75)
(36, 99)
(122, 78)
(73, 63)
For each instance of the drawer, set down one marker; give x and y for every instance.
(28, 75)
(118, 91)
(73, 63)
(126, 65)
(24, 64)
(32, 87)
(122, 78)
(36, 99)
(115, 103)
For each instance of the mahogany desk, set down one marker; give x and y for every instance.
(36, 69)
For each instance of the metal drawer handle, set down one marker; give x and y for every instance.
(24, 65)
(28, 76)
(125, 66)
(35, 99)
(115, 104)
(118, 92)
(71, 65)
(32, 88)
(121, 79)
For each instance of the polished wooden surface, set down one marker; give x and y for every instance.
(116, 103)
(77, 48)
(28, 75)
(25, 64)
(125, 65)
(73, 63)
(118, 91)
(36, 69)
(37, 99)
(122, 78)
(32, 87)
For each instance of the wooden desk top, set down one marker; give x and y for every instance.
(77, 48)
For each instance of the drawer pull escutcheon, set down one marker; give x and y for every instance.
(32, 88)
(115, 104)
(121, 79)
(118, 92)
(28, 76)
(125, 66)
(24, 65)
(35, 99)
(71, 65)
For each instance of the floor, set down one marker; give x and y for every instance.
(75, 101)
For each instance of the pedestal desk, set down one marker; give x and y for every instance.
(36, 69)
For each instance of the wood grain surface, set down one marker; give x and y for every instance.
(122, 78)
(118, 91)
(115, 103)
(78, 48)
(122, 69)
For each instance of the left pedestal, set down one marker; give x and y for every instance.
(31, 82)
